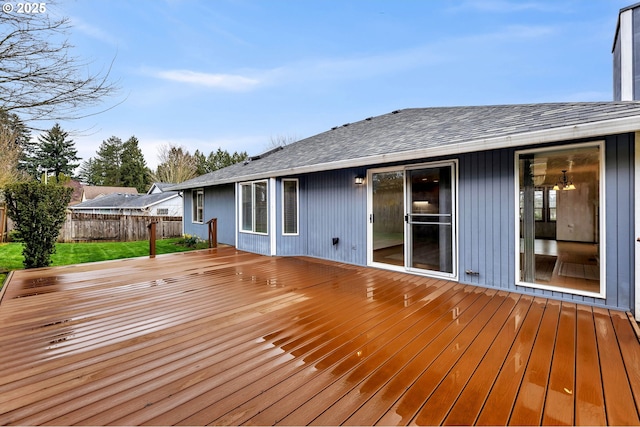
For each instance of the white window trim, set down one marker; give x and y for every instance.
(601, 225)
(297, 181)
(194, 218)
(253, 212)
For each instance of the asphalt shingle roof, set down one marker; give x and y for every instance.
(418, 129)
(125, 201)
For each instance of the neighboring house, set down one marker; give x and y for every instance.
(159, 187)
(156, 203)
(76, 196)
(90, 192)
(539, 198)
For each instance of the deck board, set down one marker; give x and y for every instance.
(227, 337)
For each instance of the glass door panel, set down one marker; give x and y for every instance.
(430, 219)
(387, 218)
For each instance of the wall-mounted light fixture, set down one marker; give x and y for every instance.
(359, 179)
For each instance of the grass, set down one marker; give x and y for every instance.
(78, 253)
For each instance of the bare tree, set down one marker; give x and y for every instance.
(176, 165)
(9, 156)
(280, 141)
(39, 78)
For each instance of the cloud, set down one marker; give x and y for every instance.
(94, 32)
(228, 82)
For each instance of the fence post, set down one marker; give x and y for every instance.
(213, 232)
(152, 239)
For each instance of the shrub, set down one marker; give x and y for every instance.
(38, 211)
(190, 241)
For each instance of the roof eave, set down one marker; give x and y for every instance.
(566, 133)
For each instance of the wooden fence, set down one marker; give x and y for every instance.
(84, 227)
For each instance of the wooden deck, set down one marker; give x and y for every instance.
(227, 337)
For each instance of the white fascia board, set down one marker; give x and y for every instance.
(159, 201)
(562, 134)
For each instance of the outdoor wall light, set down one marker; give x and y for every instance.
(359, 179)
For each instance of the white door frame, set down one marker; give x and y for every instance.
(453, 163)
(636, 236)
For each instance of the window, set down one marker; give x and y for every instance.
(560, 228)
(289, 206)
(162, 211)
(544, 204)
(254, 210)
(197, 205)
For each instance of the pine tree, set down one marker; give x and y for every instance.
(56, 152)
(108, 162)
(134, 171)
(88, 173)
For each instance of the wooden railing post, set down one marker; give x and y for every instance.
(213, 232)
(152, 239)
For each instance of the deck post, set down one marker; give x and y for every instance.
(213, 232)
(152, 239)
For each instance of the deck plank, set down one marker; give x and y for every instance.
(589, 401)
(619, 401)
(559, 404)
(469, 403)
(498, 405)
(227, 337)
(386, 396)
(489, 345)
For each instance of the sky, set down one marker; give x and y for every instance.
(240, 74)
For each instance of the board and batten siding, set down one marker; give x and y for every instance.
(219, 202)
(620, 238)
(487, 223)
(486, 226)
(336, 207)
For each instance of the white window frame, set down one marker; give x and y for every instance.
(195, 208)
(284, 210)
(601, 225)
(252, 186)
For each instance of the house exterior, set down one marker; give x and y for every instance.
(90, 192)
(479, 195)
(157, 202)
(534, 198)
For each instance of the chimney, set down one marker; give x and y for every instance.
(626, 55)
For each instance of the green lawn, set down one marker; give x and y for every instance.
(78, 253)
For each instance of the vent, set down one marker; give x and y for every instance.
(369, 119)
(395, 112)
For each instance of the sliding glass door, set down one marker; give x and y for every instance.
(412, 218)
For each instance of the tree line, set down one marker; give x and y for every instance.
(116, 163)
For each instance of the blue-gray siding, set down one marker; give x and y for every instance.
(332, 205)
(336, 207)
(487, 222)
(636, 53)
(219, 202)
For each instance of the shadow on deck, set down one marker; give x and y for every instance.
(227, 337)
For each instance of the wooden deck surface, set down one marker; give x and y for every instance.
(227, 337)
